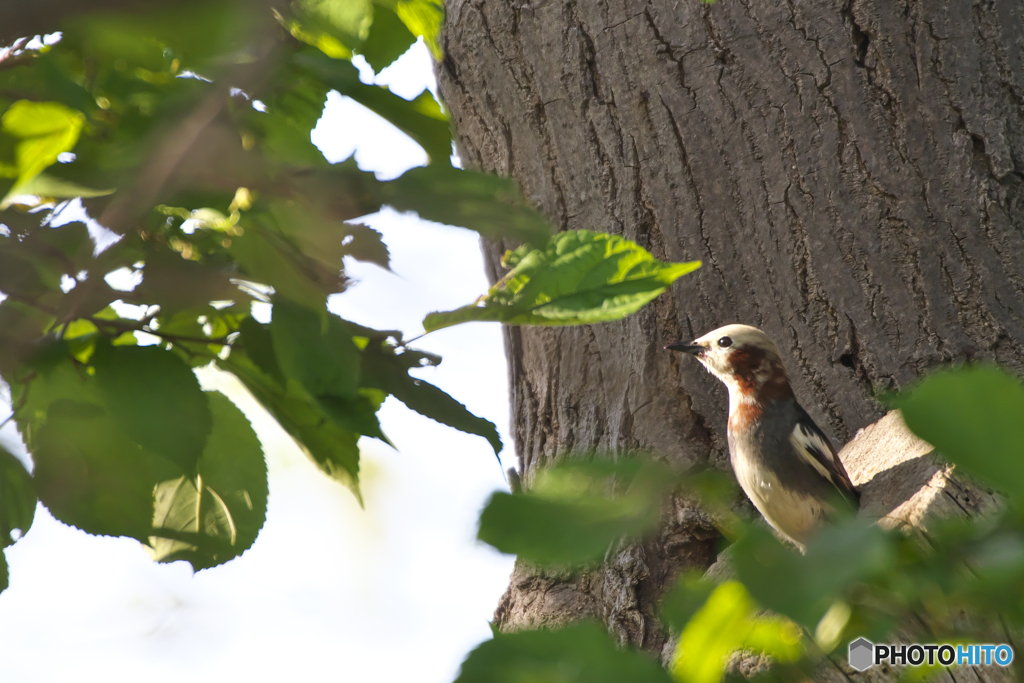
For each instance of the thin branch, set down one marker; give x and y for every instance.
(220, 341)
(122, 327)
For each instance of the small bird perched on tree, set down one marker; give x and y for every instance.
(784, 462)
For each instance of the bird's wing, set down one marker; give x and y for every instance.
(816, 450)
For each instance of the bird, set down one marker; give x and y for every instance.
(782, 460)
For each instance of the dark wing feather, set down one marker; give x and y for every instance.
(814, 448)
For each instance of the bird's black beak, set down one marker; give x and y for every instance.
(687, 347)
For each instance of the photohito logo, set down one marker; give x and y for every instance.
(864, 654)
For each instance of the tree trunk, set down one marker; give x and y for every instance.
(850, 173)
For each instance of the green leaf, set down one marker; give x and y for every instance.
(581, 277)
(315, 350)
(575, 511)
(20, 328)
(423, 18)
(48, 187)
(358, 415)
(17, 498)
(366, 244)
(804, 587)
(333, 448)
(87, 472)
(258, 345)
(19, 275)
(581, 653)
(384, 370)
(488, 204)
(210, 519)
(388, 39)
(176, 284)
(196, 33)
(727, 622)
(972, 415)
(266, 258)
(45, 130)
(156, 400)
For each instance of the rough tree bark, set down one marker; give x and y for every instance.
(851, 173)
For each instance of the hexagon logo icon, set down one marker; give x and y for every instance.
(862, 654)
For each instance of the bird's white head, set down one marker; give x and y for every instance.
(745, 359)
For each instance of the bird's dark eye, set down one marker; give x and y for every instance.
(725, 342)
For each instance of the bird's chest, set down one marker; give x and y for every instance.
(759, 462)
(756, 479)
(758, 459)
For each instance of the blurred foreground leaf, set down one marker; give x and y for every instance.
(575, 511)
(727, 622)
(685, 599)
(803, 587)
(582, 653)
(974, 416)
(580, 277)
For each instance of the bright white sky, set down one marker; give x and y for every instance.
(400, 591)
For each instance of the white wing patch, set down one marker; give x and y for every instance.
(814, 448)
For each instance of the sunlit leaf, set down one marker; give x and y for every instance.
(155, 399)
(581, 653)
(727, 622)
(581, 277)
(213, 517)
(972, 415)
(575, 511)
(44, 131)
